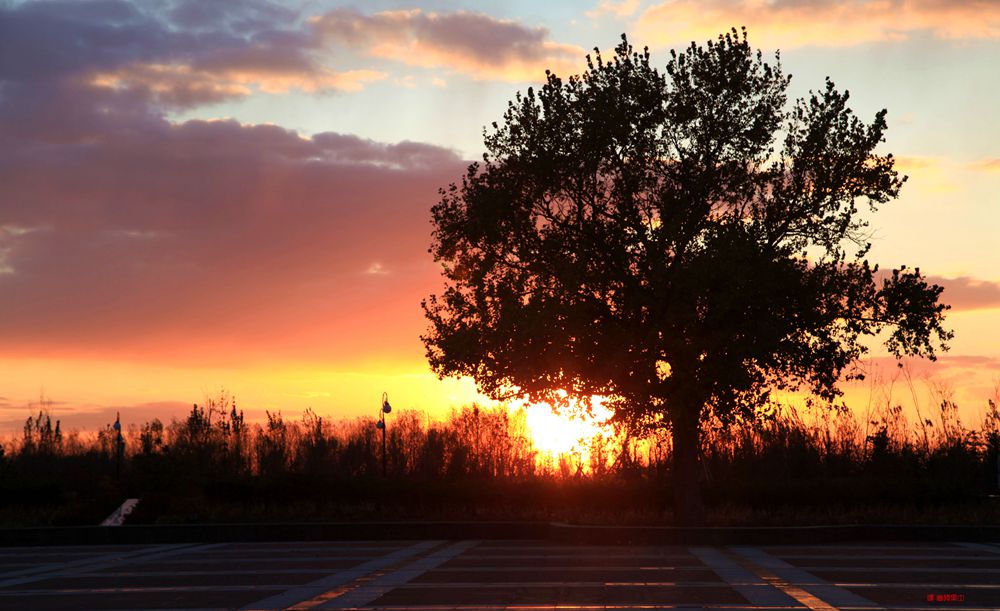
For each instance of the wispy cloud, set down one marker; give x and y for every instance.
(962, 293)
(376, 269)
(989, 165)
(824, 23)
(184, 54)
(481, 46)
(90, 417)
(122, 232)
(614, 8)
(929, 174)
(184, 85)
(966, 293)
(176, 55)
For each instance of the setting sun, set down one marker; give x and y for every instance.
(318, 304)
(566, 432)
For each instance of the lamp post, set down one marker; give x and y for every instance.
(380, 425)
(119, 446)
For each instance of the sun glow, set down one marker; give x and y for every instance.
(566, 432)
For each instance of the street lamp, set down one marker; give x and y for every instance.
(380, 425)
(119, 446)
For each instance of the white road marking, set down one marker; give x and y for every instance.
(771, 549)
(272, 559)
(575, 556)
(803, 586)
(312, 589)
(325, 571)
(368, 593)
(478, 585)
(981, 547)
(687, 568)
(398, 566)
(104, 561)
(141, 589)
(856, 557)
(84, 558)
(749, 585)
(899, 569)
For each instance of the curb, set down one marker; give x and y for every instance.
(766, 535)
(236, 533)
(555, 532)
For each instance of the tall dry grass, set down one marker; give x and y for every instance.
(481, 462)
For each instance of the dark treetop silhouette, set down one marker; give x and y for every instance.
(681, 242)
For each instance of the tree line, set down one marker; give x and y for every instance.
(481, 461)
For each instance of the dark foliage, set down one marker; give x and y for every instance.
(682, 242)
(480, 463)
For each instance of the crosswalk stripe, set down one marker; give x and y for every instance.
(298, 594)
(818, 594)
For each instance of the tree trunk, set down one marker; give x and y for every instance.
(689, 510)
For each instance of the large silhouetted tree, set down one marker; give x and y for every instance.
(682, 242)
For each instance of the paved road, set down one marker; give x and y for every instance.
(498, 575)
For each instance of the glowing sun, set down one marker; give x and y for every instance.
(561, 433)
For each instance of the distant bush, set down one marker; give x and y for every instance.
(481, 462)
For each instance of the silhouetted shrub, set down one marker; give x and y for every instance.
(481, 462)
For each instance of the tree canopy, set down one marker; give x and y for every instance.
(678, 241)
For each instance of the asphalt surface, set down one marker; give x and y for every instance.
(467, 574)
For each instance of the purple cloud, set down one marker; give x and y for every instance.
(211, 229)
(222, 50)
(122, 233)
(471, 43)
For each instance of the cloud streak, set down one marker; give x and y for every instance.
(826, 23)
(614, 8)
(989, 165)
(205, 235)
(193, 54)
(965, 293)
(185, 54)
(475, 44)
(184, 85)
(126, 235)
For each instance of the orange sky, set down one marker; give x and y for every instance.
(236, 194)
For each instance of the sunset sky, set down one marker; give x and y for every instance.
(197, 195)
